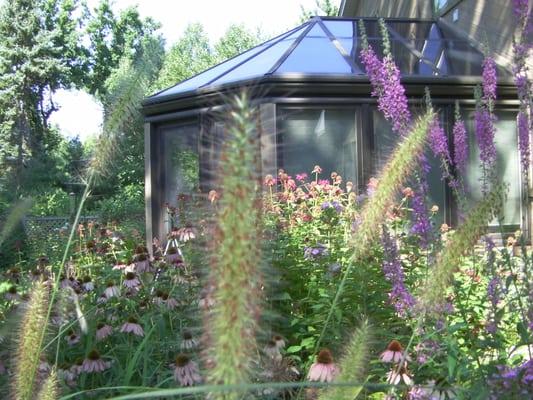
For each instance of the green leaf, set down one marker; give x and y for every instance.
(294, 349)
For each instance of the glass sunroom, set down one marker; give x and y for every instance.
(315, 107)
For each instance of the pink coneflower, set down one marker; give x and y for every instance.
(272, 351)
(67, 375)
(169, 302)
(72, 338)
(131, 281)
(316, 170)
(186, 371)
(93, 363)
(188, 341)
(131, 326)
(142, 264)
(111, 290)
(36, 275)
(323, 370)
(278, 340)
(103, 331)
(269, 180)
(121, 265)
(12, 294)
(187, 233)
(87, 284)
(395, 376)
(158, 298)
(393, 353)
(101, 299)
(173, 257)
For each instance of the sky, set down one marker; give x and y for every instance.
(80, 115)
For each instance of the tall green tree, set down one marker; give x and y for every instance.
(113, 37)
(38, 55)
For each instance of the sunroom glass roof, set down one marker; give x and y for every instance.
(330, 47)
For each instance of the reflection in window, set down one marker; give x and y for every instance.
(507, 165)
(180, 163)
(385, 141)
(323, 136)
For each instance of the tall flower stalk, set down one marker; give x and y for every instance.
(465, 237)
(352, 366)
(399, 296)
(521, 51)
(50, 388)
(484, 120)
(235, 274)
(28, 351)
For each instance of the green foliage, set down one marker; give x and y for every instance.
(323, 8)
(193, 53)
(126, 204)
(55, 202)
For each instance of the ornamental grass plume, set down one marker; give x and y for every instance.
(352, 366)
(30, 338)
(50, 388)
(395, 174)
(235, 276)
(465, 238)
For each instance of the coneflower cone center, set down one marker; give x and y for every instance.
(394, 345)
(324, 357)
(182, 360)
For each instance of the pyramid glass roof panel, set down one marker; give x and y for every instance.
(330, 46)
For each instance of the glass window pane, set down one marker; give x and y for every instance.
(340, 29)
(261, 63)
(316, 31)
(508, 165)
(315, 55)
(180, 164)
(322, 136)
(385, 141)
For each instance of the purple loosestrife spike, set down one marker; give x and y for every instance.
(489, 82)
(384, 78)
(523, 140)
(460, 143)
(235, 275)
(399, 296)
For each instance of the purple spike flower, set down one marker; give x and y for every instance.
(460, 146)
(523, 140)
(489, 81)
(438, 141)
(399, 296)
(384, 77)
(421, 224)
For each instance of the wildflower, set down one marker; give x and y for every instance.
(187, 233)
(489, 79)
(460, 143)
(72, 338)
(393, 353)
(399, 296)
(349, 186)
(131, 326)
(93, 363)
(371, 186)
(269, 180)
(315, 252)
(121, 265)
(67, 375)
(444, 228)
(395, 376)
(271, 350)
(186, 371)
(523, 140)
(420, 219)
(213, 196)
(324, 369)
(131, 281)
(170, 302)
(301, 177)
(407, 192)
(87, 284)
(111, 290)
(332, 204)
(434, 209)
(438, 141)
(188, 342)
(278, 340)
(12, 294)
(102, 331)
(142, 264)
(316, 170)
